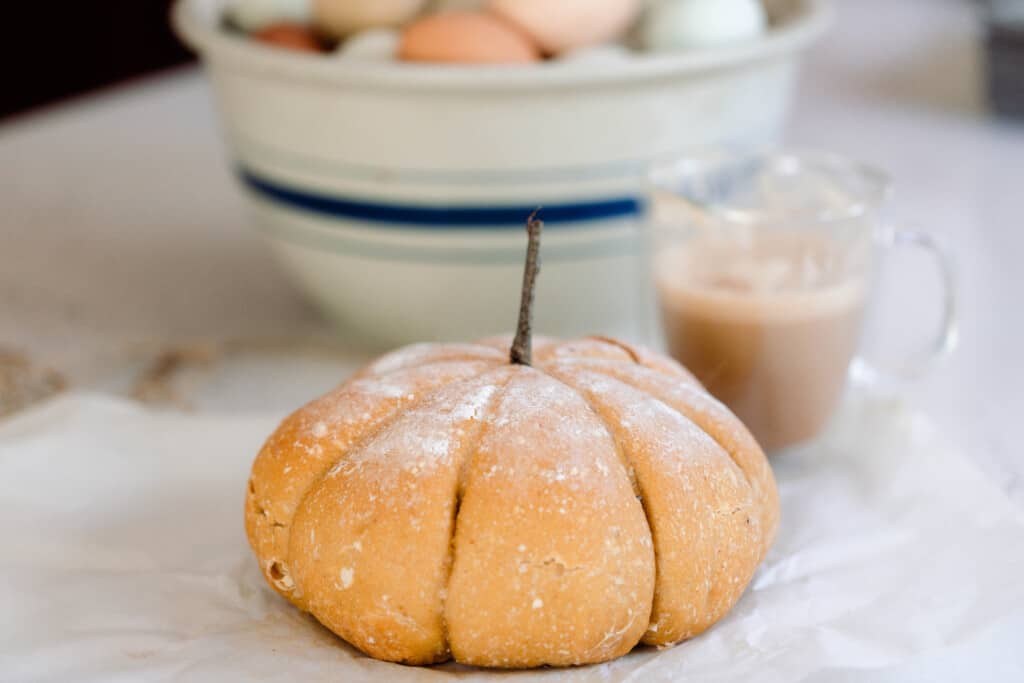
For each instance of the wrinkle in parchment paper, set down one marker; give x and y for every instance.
(124, 559)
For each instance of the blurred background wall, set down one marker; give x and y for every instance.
(55, 50)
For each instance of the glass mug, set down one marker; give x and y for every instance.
(763, 265)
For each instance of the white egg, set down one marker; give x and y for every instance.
(694, 24)
(374, 45)
(340, 18)
(255, 15)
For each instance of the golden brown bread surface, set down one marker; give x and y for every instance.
(446, 504)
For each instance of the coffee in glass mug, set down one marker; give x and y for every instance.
(763, 267)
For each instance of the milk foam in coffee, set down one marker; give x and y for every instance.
(769, 324)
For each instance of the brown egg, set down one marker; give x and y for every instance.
(290, 36)
(466, 38)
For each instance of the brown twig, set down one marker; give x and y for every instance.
(522, 347)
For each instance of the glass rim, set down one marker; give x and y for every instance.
(664, 172)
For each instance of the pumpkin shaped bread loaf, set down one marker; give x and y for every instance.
(555, 510)
(446, 504)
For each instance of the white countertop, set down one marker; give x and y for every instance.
(122, 234)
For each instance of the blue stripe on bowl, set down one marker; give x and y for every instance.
(434, 217)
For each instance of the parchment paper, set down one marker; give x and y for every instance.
(124, 559)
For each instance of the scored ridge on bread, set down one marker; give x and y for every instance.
(445, 504)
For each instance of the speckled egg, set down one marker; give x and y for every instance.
(562, 25)
(466, 38)
(339, 18)
(694, 24)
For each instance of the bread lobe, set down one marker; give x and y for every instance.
(445, 504)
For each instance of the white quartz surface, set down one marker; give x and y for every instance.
(122, 234)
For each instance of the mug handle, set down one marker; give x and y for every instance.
(947, 337)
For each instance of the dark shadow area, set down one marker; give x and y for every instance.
(52, 51)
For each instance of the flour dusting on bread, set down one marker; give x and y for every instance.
(444, 504)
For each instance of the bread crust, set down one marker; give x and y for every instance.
(444, 504)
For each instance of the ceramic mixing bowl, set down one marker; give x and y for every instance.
(397, 194)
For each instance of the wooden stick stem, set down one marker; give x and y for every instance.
(522, 347)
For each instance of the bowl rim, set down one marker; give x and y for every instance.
(207, 38)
